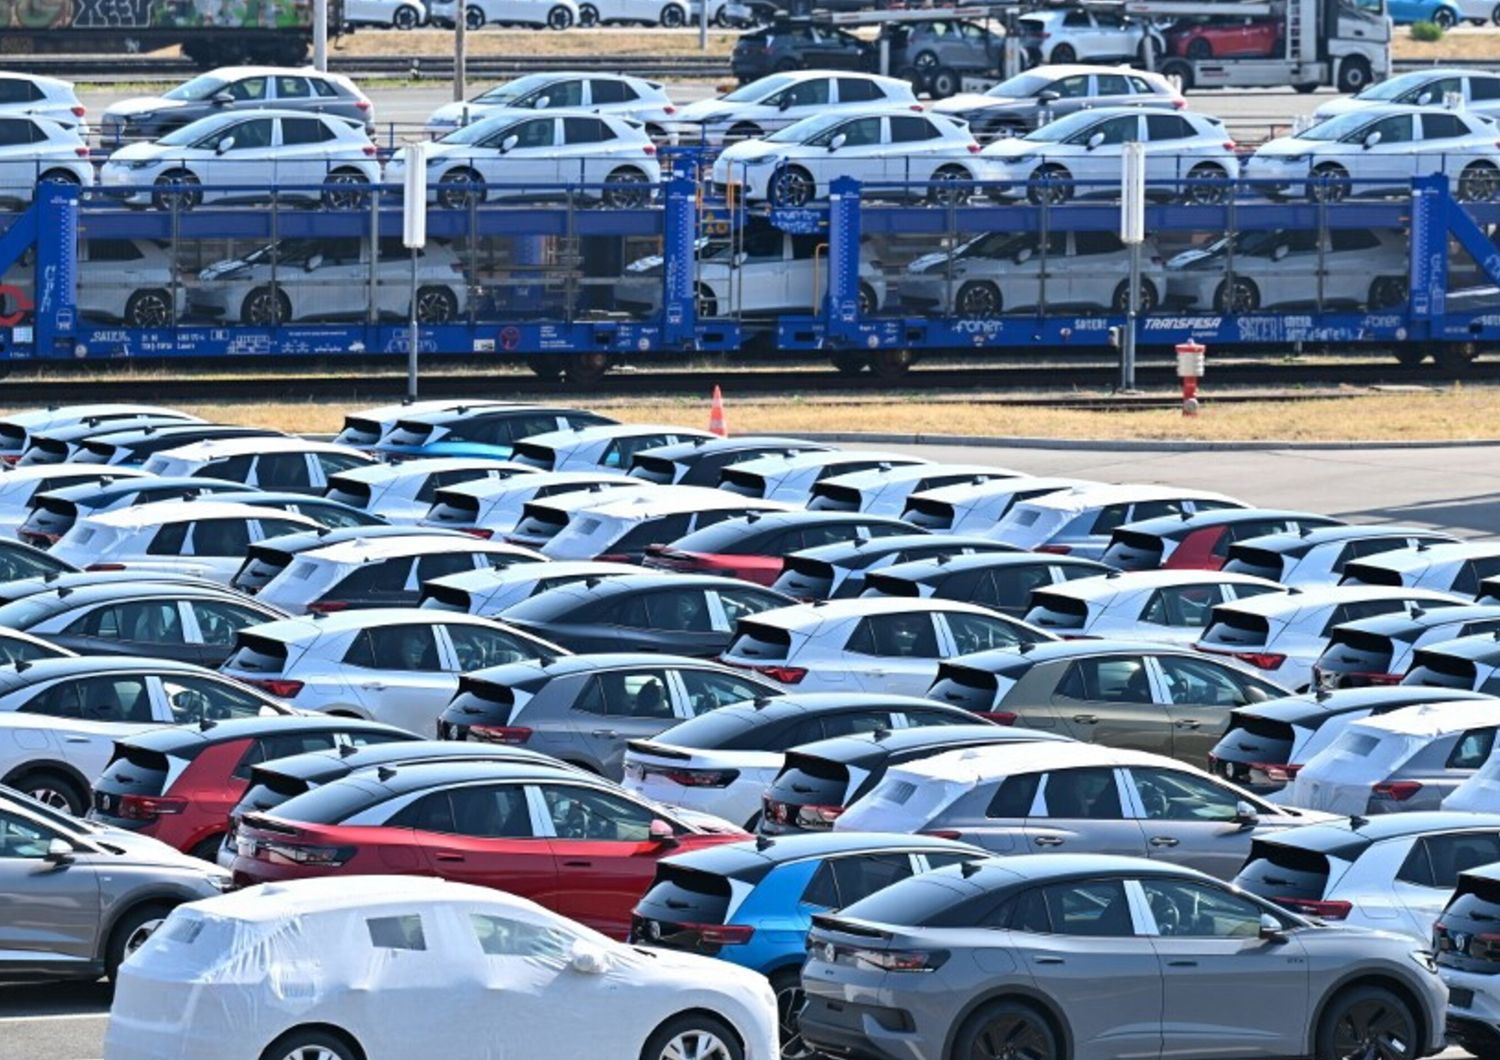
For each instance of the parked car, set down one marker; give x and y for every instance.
(133, 445)
(1319, 556)
(16, 429)
(491, 507)
(1002, 581)
(1477, 794)
(20, 486)
(178, 783)
(622, 526)
(698, 461)
(18, 648)
(1068, 36)
(477, 429)
(1171, 606)
(799, 44)
(752, 547)
(603, 93)
(62, 444)
(233, 90)
(1035, 97)
(792, 476)
(1469, 663)
(365, 428)
(538, 966)
(266, 559)
(720, 762)
(1465, 958)
(884, 490)
(600, 447)
(539, 704)
(20, 588)
(538, 14)
(1117, 918)
(418, 813)
(974, 507)
(839, 571)
(494, 590)
(1200, 541)
(54, 511)
(1380, 650)
(279, 463)
(1079, 521)
(19, 560)
(1429, 86)
(32, 95)
(1209, 37)
(1457, 568)
(1387, 873)
(82, 898)
(404, 492)
(125, 281)
(936, 53)
(393, 14)
(325, 512)
(777, 100)
(38, 150)
(1444, 14)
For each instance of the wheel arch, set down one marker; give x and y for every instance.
(161, 894)
(1383, 979)
(697, 1010)
(1028, 995)
(49, 765)
(330, 1029)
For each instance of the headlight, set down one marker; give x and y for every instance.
(221, 883)
(139, 117)
(138, 163)
(761, 161)
(1424, 958)
(1294, 158)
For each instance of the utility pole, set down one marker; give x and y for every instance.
(460, 50)
(1132, 234)
(320, 34)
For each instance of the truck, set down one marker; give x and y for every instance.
(210, 32)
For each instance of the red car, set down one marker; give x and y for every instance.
(1225, 39)
(1201, 541)
(178, 784)
(752, 547)
(576, 844)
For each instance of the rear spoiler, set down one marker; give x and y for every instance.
(849, 927)
(656, 750)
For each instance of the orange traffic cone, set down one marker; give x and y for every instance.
(716, 415)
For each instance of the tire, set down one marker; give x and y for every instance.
(787, 986)
(1050, 184)
(184, 198)
(310, 1045)
(1307, 88)
(1207, 185)
(132, 929)
(1479, 182)
(721, 17)
(926, 61)
(436, 305)
(338, 193)
(869, 304)
(1180, 69)
(1354, 74)
(1243, 297)
(460, 198)
(1444, 19)
(944, 191)
(708, 303)
(1495, 15)
(673, 17)
(943, 83)
(208, 849)
(1454, 357)
(627, 189)
(586, 369)
(473, 18)
(979, 300)
(1358, 1018)
(890, 366)
(588, 15)
(406, 17)
(559, 18)
(1388, 292)
(697, 1035)
(1199, 49)
(60, 176)
(151, 308)
(1411, 356)
(1007, 1028)
(1063, 54)
(1119, 301)
(266, 307)
(793, 186)
(1329, 183)
(55, 789)
(848, 362)
(744, 130)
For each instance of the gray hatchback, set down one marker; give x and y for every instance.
(1032, 99)
(1097, 958)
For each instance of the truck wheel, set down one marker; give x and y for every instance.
(890, 366)
(1200, 49)
(586, 369)
(1354, 74)
(848, 362)
(1181, 69)
(1455, 357)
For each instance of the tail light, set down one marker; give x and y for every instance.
(1316, 907)
(1054, 550)
(901, 960)
(150, 807)
(81, 152)
(361, 104)
(369, 150)
(507, 734)
(1281, 772)
(607, 557)
(818, 817)
(973, 148)
(1396, 790)
(669, 109)
(278, 687)
(787, 675)
(1261, 660)
(303, 854)
(1230, 145)
(1179, 104)
(479, 531)
(649, 149)
(914, 106)
(327, 607)
(1000, 717)
(79, 112)
(105, 566)
(699, 778)
(721, 934)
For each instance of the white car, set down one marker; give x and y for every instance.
(1079, 521)
(870, 644)
(491, 507)
(1378, 151)
(17, 430)
(1283, 634)
(365, 428)
(1480, 793)
(37, 150)
(239, 155)
(890, 151)
(1188, 156)
(364, 572)
(602, 93)
(1083, 34)
(20, 486)
(1170, 606)
(668, 13)
(268, 463)
(1003, 272)
(605, 447)
(405, 491)
(1381, 650)
(490, 592)
(884, 490)
(31, 95)
(1275, 268)
(1318, 556)
(1427, 87)
(774, 102)
(552, 14)
(398, 14)
(543, 518)
(976, 506)
(404, 966)
(791, 476)
(513, 155)
(329, 279)
(1469, 663)
(204, 538)
(621, 525)
(1391, 873)
(126, 280)
(1456, 568)
(399, 666)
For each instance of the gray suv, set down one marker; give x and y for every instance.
(1030, 100)
(1094, 958)
(79, 898)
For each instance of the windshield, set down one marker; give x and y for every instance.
(1395, 86)
(757, 90)
(1336, 128)
(804, 130)
(511, 91)
(1019, 86)
(472, 134)
(1062, 128)
(290, 252)
(194, 131)
(200, 87)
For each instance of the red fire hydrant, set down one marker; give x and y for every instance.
(1191, 363)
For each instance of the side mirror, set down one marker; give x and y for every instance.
(1046, 95)
(1245, 815)
(1372, 139)
(1424, 99)
(543, 102)
(588, 959)
(1270, 929)
(1023, 256)
(1280, 252)
(509, 143)
(784, 103)
(1256, 694)
(221, 99)
(1095, 140)
(838, 141)
(662, 833)
(314, 262)
(224, 145)
(59, 852)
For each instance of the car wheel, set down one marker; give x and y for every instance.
(792, 186)
(559, 18)
(1199, 49)
(1367, 1021)
(943, 83)
(950, 186)
(60, 176)
(673, 16)
(926, 62)
(1495, 15)
(787, 986)
(1329, 183)
(1444, 18)
(52, 789)
(868, 304)
(1479, 182)
(1354, 74)
(978, 300)
(1050, 185)
(208, 849)
(847, 362)
(698, 1036)
(131, 932)
(626, 189)
(338, 190)
(310, 1044)
(149, 309)
(1207, 185)
(405, 17)
(1388, 292)
(473, 17)
(1063, 53)
(266, 307)
(1008, 1029)
(588, 15)
(436, 305)
(721, 17)
(1120, 300)
(466, 188)
(184, 196)
(1236, 296)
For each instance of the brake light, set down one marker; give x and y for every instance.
(699, 778)
(1261, 660)
(507, 734)
(278, 687)
(361, 104)
(787, 675)
(818, 817)
(1054, 550)
(327, 607)
(1397, 790)
(974, 149)
(81, 152)
(669, 109)
(1230, 145)
(1000, 717)
(369, 150)
(299, 854)
(479, 531)
(79, 112)
(150, 807)
(1281, 772)
(105, 566)
(1316, 907)
(901, 960)
(650, 149)
(1179, 104)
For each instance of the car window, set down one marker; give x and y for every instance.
(495, 811)
(373, 579)
(679, 609)
(233, 468)
(251, 135)
(1358, 609)
(295, 131)
(708, 691)
(169, 540)
(117, 698)
(1107, 679)
(154, 621)
(247, 88)
(500, 936)
(1121, 130)
(1082, 794)
(586, 813)
(22, 838)
(193, 699)
(843, 881)
(326, 89)
(810, 93)
(628, 694)
(397, 932)
(855, 90)
(1168, 127)
(1472, 749)
(861, 132)
(539, 132)
(219, 622)
(1113, 85)
(1442, 127)
(284, 745)
(1075, 87)
(895, 636)
(1395, 129)
(906, 129)
(973, 633)
(478, 647)
(742, 603)
(221, 537)
(604, 91)
(282, 471)
(1200, 682)
(586, 131)
(1183, 606)
(292, 87)
(1436, 860)
(1171, 795)
(398, 647)
(850, 722)
(1484, 88)
(1014, 797)
(1141, 86)
(1188, 909)
(1089, 243)
(1095, 908)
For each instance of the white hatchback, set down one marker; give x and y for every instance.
(403, 492)
(20, 486)
(601, 447)
(622, 525)
(779, 100)
(603, 93)
(551, 14)
(275, 463)
(491, 507)
(1166, 606)
(31, 95)
(490, 592)
(36, 150)
(975, 506)
(791, 476)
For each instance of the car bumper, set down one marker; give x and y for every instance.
(1193, 288)
(1473, 1009)
(864, 1031)
(736, 803)
(126, 185)
(1270, 176)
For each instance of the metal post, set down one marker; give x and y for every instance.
(703, 25)
(320, 34)
(1132, 234)
(413, 337)
(460, 49)
(1127, 353)
(414, 236)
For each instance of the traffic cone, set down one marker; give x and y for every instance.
(716, 415)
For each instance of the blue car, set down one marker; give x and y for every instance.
(752, 903)
(483, 430)
(1442, 12)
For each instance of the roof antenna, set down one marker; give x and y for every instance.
(971, 868)
(763, 842)
(347, 749)
(385, 773)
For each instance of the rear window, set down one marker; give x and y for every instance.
(757, 641)
(714, 729)
(1274, 870)
(1441, 671)
(1233, 629)
(878, 584)
(965, 686)
(919, 901)
(686, 896)
(329, 804)
(1369, 574)
(257, 654)
(1261, 562)
(1057, 611)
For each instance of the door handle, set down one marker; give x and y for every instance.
(1187, 723)
(1182, 964)
(1048, 960)
(75, 739)
(1048, 841)
(1163, 841)
(373, 686)
(578, 864)
(447, 855)
(607, 733)
(1086, 719)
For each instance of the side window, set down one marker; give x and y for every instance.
(154, 621)
(438, 564)
(496, 812)
(1167, 127)
(810, 93)
(578, 812)
(122, 698)
(282, 471)
(324, 88)
(1110, 518)
(1122, 130)
(219, 622)
(1395, 129)
(21, 838)
(1108, 679)
(708, 691)
(193, 699)
(854, 90)
(1356, 610)
(397, 932)
(233, 468)
(506, 937)
(585, 131)
(478, 647)
(1436, 860)
(407, 647)
(1096, 908)
(1200, 682)
(248, 88)
(1075, 87)
(1183, 606)
(169, 540)
(742, 603)
(850, 722)
(221, 537)
(539, 132)
(603, 91)
(1472, 749)
(567, 94)
(292, 87)
(296, 131)
(383, 577)
(1168, 795)
(1114, 85)
(1089, 794)
(333, 463)
(628, 694)
(252, 135)
(1088, 243)
(973, 633)
(1187, 909)
(270, 748)
(895, 636)
(1014, 797)
(1484, 88)
(1442, 127)
(844, 881)
(906, 129)
(684, 609)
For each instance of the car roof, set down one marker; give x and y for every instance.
(915, 472)
(572, 437)
(481, 579)
(1047, 650)
(798, 616)
(976, 765)
(841, 550)
(1433, 719)
(1105, 586)
(1345, 838)
(274, 903)
(739, 443)
(12, 473)
(985, 485)
(651, 501)
(460, 412)
(1069, 69)
(753, 858)
(18, 675)
(305, 627)
(1302, 596)
(777, 708)
(1420, 619)
(918, 737)
(1168, 525)
(66, 598)
(1082, 498)
(256, 445)
(1480, 647)
(778, 464)
(1292, 540)
(918, 570)
(175, 511)
(110, 486)
(795, 517)
(1342, 700)
(168, 739)
(643, 582)
(348, 758)
(383, 472)
(565, 665)
(373, 549)
(399, 779)
(1399, 559)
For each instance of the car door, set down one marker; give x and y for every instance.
(843, 880)
(619, 705)
(49, 910)
(895, 652)
(1098, 264)
(1097, 167)
(588, 152)
(244, 160)
(798, 101)
(1390, 160)
(605, 855)
(469, 647)
(484, 834)
(399, 675)
(1112, 700)
(855, 148)
(215, 548)
(302, 158)
(680, 621)
(150, 627)
(915, 149)
(1427, 877)
(1200, 695)
(531, 165)
(1189, 820)
(735, 604)
(1081, 810)
(1113, 90)
(1168, 156)
(1208, 940)
(18, 167)
(1442, 148)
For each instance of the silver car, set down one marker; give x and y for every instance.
(80, 898)
(1031, 99)
(1098, 958)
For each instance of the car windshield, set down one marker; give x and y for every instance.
(1020, 86)
(758, 90)
(802, 131)
(198, 130)
(1396, 86)
(200, 87)
(288, 252)
(1062, 128)
(511, 91)
(1336, 128)
(472, 134)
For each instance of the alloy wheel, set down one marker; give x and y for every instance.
(1372, 1030)
(1012, 1037)
(788, 1003)
(696, 1045)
